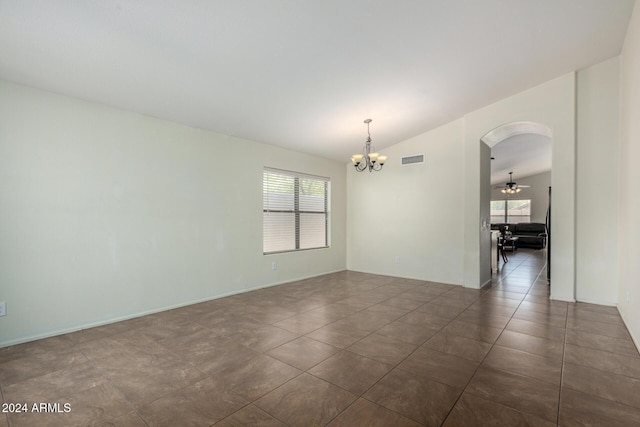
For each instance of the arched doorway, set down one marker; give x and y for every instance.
(524, 149)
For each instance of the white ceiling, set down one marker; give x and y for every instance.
(304, 74)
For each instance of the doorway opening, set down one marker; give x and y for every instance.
(520, 177)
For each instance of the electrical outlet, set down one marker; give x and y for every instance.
(396, 260)
(274, 265)
(3, 308)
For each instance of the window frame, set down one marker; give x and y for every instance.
(297, 212)
(507, 218)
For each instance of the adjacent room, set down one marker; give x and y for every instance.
(319, 213)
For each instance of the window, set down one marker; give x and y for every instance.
(510, 211)
(295, 211)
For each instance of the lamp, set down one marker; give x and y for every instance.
(369, 159)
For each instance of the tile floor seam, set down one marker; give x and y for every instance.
(253, 402)
(564, 349)
(487, 354)
(605, 350)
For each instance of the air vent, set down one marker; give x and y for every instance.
(412, 160)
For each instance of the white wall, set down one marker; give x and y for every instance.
(538, 192)
(408, 221)
(597, 163)
(551, 104)
(107, 214)
(485, 215)
(629, 179)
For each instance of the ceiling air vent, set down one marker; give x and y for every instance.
(412, 160)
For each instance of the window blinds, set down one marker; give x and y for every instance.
(295, 211)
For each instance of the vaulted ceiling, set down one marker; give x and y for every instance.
(304, 74)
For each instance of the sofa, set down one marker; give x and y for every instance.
(529, 234)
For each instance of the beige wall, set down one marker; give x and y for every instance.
(551, 104)
(107, 214)
(629, 179)
(408, 220)
(597, 163)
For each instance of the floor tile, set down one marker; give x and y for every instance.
(581, 409)
(602, 342)
(492, 309)
(366, 413)
(303, 353)
(531, 344)
(603, 360)
(79, 376)
(32, 365)
(521, 393)
(404, 303)
(350, 371)
(424, 320)
(582, 306)
(385, 349)
(459, 346)
(264, 338)
(306, 401)
(523, 363)
(474, 411)
(493, 299)
(443, 311)
(202, 403)
(414, 349)
(537, 329)
(306, 322)
(250, 415)
(257, 377)
(474, 331)
(606, 385)
(556, 320)
(415, 397)
(338, 335)
(364, 321)
(445, 368)
(412, 334)
(543, 308)
(486, 319)
(98, 405)
(598, 328)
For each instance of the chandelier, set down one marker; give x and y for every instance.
(369, 159)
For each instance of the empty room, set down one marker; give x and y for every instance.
(309, 213)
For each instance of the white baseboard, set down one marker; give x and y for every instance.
(55, 332)
(633, 337)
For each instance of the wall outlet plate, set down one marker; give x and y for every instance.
(3, 308)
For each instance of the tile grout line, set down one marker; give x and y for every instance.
(492, 345)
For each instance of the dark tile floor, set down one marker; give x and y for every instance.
(343, 349)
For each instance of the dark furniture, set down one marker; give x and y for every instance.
(502, 243)
(529, 234)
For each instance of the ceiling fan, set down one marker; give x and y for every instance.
(511, 187)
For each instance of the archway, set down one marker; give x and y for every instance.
(524, 148)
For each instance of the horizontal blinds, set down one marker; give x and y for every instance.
(295, 211)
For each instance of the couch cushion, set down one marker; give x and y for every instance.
(530, 228)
